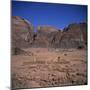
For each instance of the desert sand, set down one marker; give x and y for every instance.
(43, 67)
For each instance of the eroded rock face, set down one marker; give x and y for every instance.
(44, 36)
(22, 32)
(23, 35)
(74, 35)
(83, 27)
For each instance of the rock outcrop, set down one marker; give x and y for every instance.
(22, 32)
(72, 36)
(43, 36)
(75, 35)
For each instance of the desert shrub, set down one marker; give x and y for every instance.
(19, 51)
(65, 54)
(16, 51)
(58, 58)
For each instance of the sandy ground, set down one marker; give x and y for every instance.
(49, 67)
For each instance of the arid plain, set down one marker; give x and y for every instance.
(43, 67)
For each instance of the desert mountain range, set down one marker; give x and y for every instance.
(23, 35)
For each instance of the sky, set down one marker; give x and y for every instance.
(56, 15)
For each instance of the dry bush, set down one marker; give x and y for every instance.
(19, 51)
(65, 54)
(16, 51)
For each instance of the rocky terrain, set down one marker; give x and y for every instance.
(42, 67)
(48, 57)
(23, 35)
(22, 32)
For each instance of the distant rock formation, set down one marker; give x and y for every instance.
(76, 35)
(22, 32)
(72, 36)
(43, 36)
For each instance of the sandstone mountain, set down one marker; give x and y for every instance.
(44, 35)
(76, 35)
(23, 35)
(22, 32)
